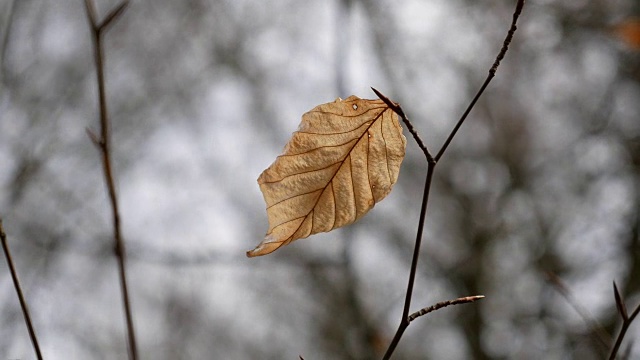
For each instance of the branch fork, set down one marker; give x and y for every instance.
(406, 319)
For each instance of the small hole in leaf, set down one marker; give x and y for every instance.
(355, 107)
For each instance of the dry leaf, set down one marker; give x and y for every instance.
(344, 158)
(629, 32)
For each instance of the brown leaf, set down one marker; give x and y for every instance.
(344, 158)
(629, 32)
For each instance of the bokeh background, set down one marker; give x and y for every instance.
(542, 179)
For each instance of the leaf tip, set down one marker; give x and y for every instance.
(267, 246)
(251, 253)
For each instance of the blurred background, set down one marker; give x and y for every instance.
(542, 179)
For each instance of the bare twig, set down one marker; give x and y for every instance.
(432, 161)
(492, 73)
(626, 321)
(596, 329)
(23, 301)
(440, 305)
(104, 144)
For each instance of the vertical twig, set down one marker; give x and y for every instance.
(23, 301)
(104, 145)
(404, 321)
(432, 161)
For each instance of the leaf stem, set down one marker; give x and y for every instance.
(23, 301)
(104, 144)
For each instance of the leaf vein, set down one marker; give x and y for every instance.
(319, 147)
(288, 221)
(302, 173)
(294, 196)
(386, 148)
(346, 116)
(336, 132)
(335, 209)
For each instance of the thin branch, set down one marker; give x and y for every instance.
(23, 301)
(492, 73)
(104, 145)
(626, 321)
(440, 305)
(404, 320)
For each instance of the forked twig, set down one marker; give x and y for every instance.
(104, 145)
(23, 301)
(626, 320)
(432, 161)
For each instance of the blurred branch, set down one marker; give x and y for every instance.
(5, 37)
(342, 38)
(104, 144)
(405, 319)
(600, 335)
(626, 320)
(440, 305)
(23, 301)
